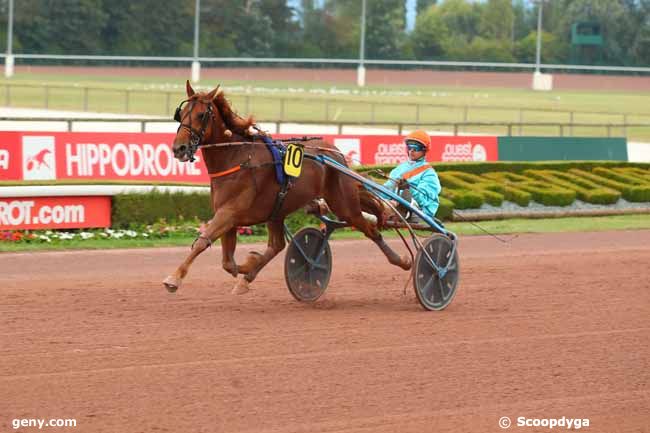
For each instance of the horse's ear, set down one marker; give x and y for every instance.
(188, 87)
(213, 94)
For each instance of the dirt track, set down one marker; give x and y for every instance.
(550, 326)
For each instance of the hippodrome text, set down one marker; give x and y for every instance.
(92, 159)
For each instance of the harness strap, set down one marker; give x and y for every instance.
(226, 172)
(277, 153)
(284, 180)
(415, 172)
(279, 200)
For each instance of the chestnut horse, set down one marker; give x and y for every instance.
(244, 188)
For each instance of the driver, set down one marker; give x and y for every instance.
(414, 179)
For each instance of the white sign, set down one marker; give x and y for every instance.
(464, 152)
(4, 159)
(351, 149)
(479, 153)
(391, 153)
(39, 158)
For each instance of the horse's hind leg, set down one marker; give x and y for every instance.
(346, 205)
(228, 245)
(220, 224)
(256, 261)
(370, 230)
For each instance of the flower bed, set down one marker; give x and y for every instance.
(160, 230)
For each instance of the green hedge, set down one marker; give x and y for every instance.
(130, 210)
(642, 175)
(549, 195)
(445, 210)
(548, 183)
(491, 192)
(464, 199)
(510, 192)
(586, 190)
(517, 166)
(136, 210)
(632, 188)
(519, 196)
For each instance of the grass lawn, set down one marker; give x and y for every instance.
(159, 95)
(575, 224)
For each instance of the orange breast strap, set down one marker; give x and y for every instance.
(226, 172)
(415, 171)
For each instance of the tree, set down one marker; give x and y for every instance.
(496, 20)
(423, 5)
(284, 27)
(480, 49)
(519, 25)
(430, 35)
(385, 26)
(615, 23)
(554, 49)
(343, 20)
(236, 28)
(131, 29)
(461, 18)
(60, 27)
(317, 36)
(4, 6)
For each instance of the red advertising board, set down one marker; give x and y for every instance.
(390, 149)
(22, 213)
(148, 156)
(94, 155)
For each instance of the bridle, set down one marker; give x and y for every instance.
(196, 137)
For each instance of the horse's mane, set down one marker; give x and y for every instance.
(232, 120)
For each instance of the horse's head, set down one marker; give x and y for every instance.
(206, 118)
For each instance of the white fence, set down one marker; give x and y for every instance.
(308, 61)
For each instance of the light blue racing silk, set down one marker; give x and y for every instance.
(425, 185)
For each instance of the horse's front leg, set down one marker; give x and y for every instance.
(256, 261)
(228, 245)
(220, 224)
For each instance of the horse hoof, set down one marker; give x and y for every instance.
(241, 287)
(172, 284)
(406, 263)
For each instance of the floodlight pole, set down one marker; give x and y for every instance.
(9, 58)
(361, 70)
(538, 52)
(196, 66)
(540, 81)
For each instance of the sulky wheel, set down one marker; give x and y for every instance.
(433, 292)
(308, 265)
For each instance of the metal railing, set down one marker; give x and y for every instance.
(456, 128)
(44, 94)
(319, 61)
(163, 102)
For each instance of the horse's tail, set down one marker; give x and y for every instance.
(372, 205)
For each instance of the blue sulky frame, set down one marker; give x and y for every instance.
(314, 266)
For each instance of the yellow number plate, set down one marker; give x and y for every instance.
(293, 159)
